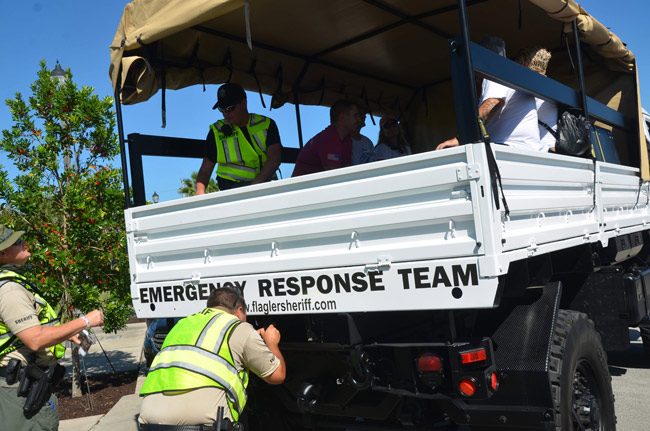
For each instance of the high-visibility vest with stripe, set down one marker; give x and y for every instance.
(46, 316)
(238, 158)
(196, 355)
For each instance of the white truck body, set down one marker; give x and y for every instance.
(415, 233)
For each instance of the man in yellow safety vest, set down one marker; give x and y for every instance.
(203, 367)
(246, 147)
(31, 338)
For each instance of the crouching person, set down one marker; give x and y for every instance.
(30, 344)
(202, 368)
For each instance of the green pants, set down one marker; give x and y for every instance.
(12, 417)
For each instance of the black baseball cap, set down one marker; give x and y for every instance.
(229, 94)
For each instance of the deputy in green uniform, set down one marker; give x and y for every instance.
(246, 147)
(30, 332)
(204, 364)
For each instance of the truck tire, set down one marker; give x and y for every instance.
(581, 386)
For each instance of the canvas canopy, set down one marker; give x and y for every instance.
(391, 55)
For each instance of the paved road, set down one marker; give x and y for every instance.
(630, 372)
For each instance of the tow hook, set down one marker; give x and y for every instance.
(360, 375)
(307, 397)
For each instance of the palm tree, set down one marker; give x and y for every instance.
(187, 186)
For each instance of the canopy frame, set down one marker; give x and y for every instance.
(466, 59)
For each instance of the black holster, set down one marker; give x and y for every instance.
(36, 385)
(226, 425)
(12, 371)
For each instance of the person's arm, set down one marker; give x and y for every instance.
(485, 112)
(273, 157)
(487, 108)
(41, 337)
(207, 165)
(453, 142)
(203, 176)
(271, 337)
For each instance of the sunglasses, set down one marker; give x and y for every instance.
(227, 109)
(391, 124)
(19, 242)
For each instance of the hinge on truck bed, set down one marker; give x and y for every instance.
(140, 238)
(468, 172)
(132, 226)
(194, 280)
(383, 264)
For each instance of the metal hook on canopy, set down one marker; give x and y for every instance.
(278, 89)
(227, 63)
(426, 101)
(364, 96)
(247, 20)
(257, 81)
(322, 91)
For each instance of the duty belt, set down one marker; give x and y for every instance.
(226, 425)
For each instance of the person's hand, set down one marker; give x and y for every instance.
(270, 335)
(453, 142)
(96, 318)
(75, 339)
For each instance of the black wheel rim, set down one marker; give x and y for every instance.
(586, 406)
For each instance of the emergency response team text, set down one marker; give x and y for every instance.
(325, 284)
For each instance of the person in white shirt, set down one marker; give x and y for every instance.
(536, 59)
(391, 142)
(510, 116)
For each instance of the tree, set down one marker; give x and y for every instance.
(188, 186)
(68, 198)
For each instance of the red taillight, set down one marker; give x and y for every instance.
(473, 356)
(494, 381)
(467, 387)
(428, 362)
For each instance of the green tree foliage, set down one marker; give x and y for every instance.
(68, 196)
(188, 186)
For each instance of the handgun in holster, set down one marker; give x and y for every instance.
(12, 371)
(39, 385)
(225, 424)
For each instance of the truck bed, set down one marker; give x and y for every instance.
(420, 232)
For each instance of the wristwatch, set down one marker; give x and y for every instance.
(86, 320)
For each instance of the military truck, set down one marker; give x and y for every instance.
(477, 286)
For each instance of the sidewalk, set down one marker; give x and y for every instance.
(124, 350)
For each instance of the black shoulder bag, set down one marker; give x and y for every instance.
(573, 135)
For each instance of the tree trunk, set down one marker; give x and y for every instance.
(76, 372)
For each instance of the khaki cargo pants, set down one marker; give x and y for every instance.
(12, 417)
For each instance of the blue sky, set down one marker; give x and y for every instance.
(78, 33)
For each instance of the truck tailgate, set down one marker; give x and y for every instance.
(363, 218)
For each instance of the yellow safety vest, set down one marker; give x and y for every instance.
(46, 316)
(239, 159)
(196, 355)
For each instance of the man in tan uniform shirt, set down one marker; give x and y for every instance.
(19, 312)
(254, 350)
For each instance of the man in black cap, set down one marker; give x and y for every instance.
(246, 146)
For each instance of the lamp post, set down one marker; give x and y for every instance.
(155, 198)
(58, 74)
(59, 77)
